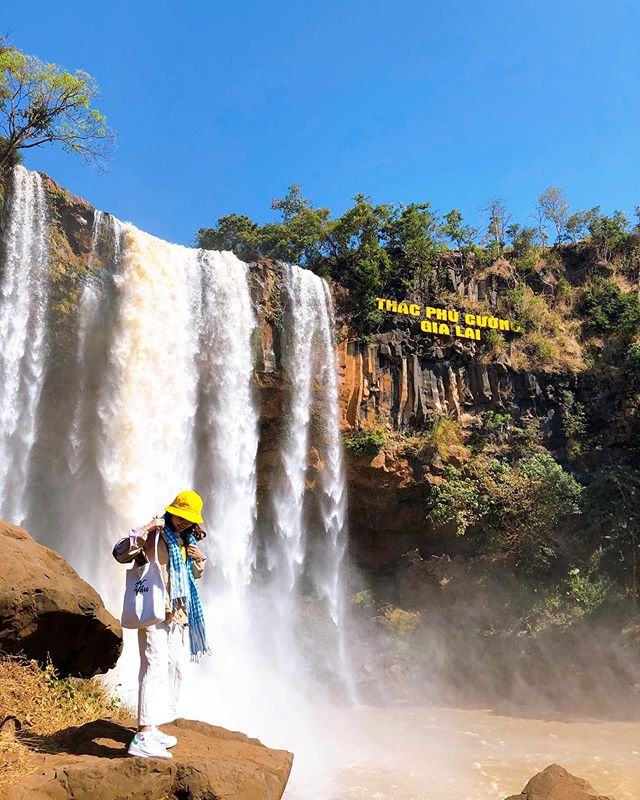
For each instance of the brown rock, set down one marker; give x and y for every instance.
(209, 763)
(46, 608)
(555, 783)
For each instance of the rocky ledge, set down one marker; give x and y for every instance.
(48, 611)
(209, 763)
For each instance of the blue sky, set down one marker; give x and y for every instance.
(219, 107)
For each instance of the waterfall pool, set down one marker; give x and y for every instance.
(444, 753)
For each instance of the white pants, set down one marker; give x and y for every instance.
(163, 661)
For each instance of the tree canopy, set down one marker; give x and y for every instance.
(396, 249)
(42, 103)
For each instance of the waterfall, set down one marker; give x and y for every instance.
(153, 391)
(148, 398)
(23, 299)
(306, 544)
(106, 236)
(229, 415)
(287, 556)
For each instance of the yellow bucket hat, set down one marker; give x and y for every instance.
(187, 505)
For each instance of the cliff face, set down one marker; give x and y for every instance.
(420, 412)
(398, 382)
(401, 381)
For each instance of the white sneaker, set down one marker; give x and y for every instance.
(146, 745)
(165, 739)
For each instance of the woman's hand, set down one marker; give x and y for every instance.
(156, 522)
(194, 552)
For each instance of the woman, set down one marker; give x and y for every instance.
(163, 645)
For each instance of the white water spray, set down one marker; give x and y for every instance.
(161, 397)
(148, 397)
(106, 236)
(23, 305)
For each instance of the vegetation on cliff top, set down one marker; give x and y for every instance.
(409, 250)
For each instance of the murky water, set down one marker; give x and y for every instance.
(441, 753)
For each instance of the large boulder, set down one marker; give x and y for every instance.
(555, 783)
(46, 609)
(209, 763)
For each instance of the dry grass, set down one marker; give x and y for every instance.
(43, 703)
(448, 437)
(623, 283)
(551, 339)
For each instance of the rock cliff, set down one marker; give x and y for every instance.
(48, 611)
(398, 381)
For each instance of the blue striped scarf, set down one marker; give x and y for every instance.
(184, 591)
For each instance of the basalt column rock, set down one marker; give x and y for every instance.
(46, 609)
(401, 381)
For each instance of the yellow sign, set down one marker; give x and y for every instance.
(447, 321)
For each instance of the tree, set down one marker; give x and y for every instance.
(235, 232)
(608, 234)
(553, 207)
(521, 509)
(42, 103)
(613, 516)
(410, 233)
(521, 239)
(578, 224)
(499, 219)
(459, 234)
(301, 237)
(291, 205)
(358, 258)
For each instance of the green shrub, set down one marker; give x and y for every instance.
(398, 621)
(520, 508)
(365, 442)
(587, 589)
(495, 341)
(543, 349)
(574, 424)
(494, 421)
(610, 310)
(632, 365)
(363, 600)
(612, 515)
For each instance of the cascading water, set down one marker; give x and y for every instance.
(228, 418)
(23, 298)
(146, 388)
(148, 397)
(300, 546)
(106, 236)
(327, 573)
(158, 380)
(286, 555)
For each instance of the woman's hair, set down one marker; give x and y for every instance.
(198, 532)
(194, 528)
